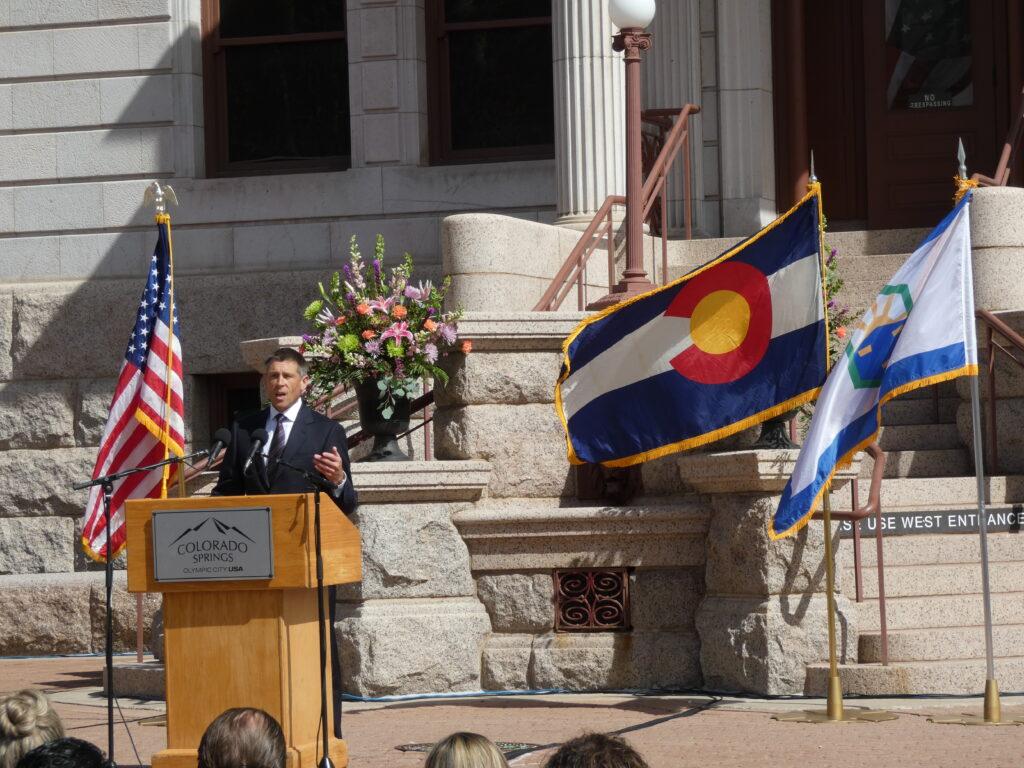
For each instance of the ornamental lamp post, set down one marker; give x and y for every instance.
(631, 17)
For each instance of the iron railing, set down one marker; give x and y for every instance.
(855, 515)
(672, 135)
(1013, 139)
(994, 326)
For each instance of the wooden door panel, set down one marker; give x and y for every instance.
(921, 93)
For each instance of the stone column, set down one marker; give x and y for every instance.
(386, 59)
(763, 617)
(997, 247)
(747, 133)
(590, 144)
(672, 78)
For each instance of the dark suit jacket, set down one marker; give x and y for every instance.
(311, 433)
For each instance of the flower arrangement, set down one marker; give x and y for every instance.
(372, 326)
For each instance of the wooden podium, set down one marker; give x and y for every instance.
(247, 643)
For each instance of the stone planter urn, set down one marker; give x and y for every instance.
(385, 431)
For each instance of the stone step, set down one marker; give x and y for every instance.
(940, 611)
(945, 644)
(940, 549)
(919, 410)
(942, 579)
(931, 493)
(870, 268)
(943, 462)
(861, 243)
(910, 437)
(958, 677)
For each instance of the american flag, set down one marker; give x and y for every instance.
(146, 421)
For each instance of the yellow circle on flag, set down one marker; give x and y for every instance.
(719, 322)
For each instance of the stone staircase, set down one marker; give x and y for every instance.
(934, 598)
(920, 435)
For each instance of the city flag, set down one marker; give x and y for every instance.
(146, 421)
(735, 342)
(918, 331)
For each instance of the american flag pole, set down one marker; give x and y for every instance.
(145, 424)
(164, 218)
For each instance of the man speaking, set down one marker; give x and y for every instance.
(295, 434)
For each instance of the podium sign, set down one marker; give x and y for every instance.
(213, 544)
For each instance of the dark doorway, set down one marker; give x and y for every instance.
(929, 79)
(889, 87)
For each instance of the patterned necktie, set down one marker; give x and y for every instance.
(276, 444)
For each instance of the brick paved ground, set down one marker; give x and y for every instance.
(670, 731)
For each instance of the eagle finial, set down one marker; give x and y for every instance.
(159, 195)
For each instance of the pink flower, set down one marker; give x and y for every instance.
(447, 333)
(382, 305)
(397, 331)
(422, 293)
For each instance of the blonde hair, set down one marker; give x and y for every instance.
(27, 720)
(465, 750)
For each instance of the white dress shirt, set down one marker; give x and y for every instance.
(288, 422)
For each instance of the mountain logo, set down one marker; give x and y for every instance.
(222, 529)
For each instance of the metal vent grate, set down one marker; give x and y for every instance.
(592, 600)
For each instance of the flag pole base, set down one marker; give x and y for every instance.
(835, 712)
(992, 711)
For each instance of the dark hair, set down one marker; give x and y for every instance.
(244, 736)
(596, 750)
(64, 753)
(288, 355)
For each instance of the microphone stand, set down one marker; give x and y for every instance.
(106, 483)
(319, 483)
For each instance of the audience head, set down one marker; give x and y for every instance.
(596, 750)
(65, 753)
(26, 720)
(465, 750)
(242, 737)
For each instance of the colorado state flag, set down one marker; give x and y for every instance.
(733, 343)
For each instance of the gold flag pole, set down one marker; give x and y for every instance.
(159, 196)
(992, 710)
(834, 711)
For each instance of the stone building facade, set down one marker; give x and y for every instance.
(99, 98)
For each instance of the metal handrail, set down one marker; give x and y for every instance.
(994, 325)
(602, 228)
(858, 513)
(1002, 175)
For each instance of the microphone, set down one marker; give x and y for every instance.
(259, 438)
(313, 478)
(221, 440)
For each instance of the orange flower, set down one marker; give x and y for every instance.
(399, 312)
(368, 334)
(466, 347)
(841, 331)
(429, 325)
(340, 320)
(363, 309)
